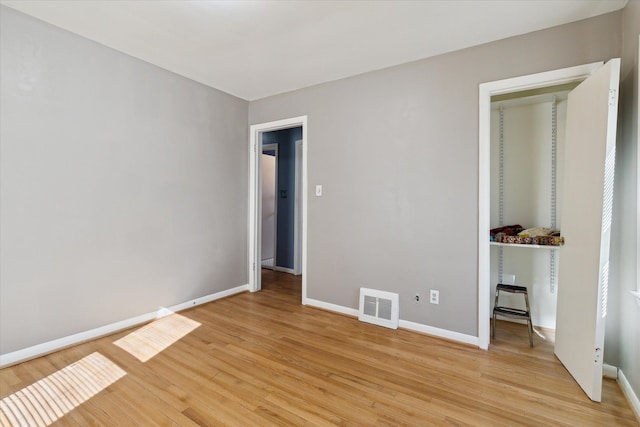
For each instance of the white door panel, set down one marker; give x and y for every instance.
(268, 207)
(586, 223)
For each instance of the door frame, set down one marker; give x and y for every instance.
(255, 202)
(636, 292)
(271, 147)
(297, 223)
(486, 91)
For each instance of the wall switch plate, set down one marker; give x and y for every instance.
(434, 296)
(318, 190)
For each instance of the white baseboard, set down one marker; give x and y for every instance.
(60, 343)
(441, 333)
(284, 269)
(418, 327)
(331, 307)
(632, 397)
(609, 371)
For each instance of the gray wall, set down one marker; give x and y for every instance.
(123, 187)
(623, 336)
(397, 154)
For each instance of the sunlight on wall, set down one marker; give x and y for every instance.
(151, 339)
(47, 400)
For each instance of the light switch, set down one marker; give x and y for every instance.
(318, 190)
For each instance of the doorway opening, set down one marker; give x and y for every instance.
(289, 256)
(280, 194)
(527, 165)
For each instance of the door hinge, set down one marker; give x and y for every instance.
(613, 97)
(254, 266)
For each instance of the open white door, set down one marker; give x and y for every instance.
(586, 225)
(269, 211)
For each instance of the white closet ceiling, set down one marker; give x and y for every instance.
(254, 49)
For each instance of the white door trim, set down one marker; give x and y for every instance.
(486, 91)
(255, 156)
(297, 227)
(636, 292)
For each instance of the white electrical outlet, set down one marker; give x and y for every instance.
(417, 298)
(434, 296)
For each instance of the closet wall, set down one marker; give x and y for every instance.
(527, 194)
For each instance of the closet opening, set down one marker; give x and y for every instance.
(518, 97)
(546, 163)
(526, 149)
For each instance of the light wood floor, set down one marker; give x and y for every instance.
(264, 359)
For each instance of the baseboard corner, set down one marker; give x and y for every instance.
(609, 371)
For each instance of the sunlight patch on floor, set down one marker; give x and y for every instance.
(151, 339)
(47, 400)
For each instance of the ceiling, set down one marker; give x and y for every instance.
(254, 49)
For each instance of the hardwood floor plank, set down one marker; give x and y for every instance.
(260, 359)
